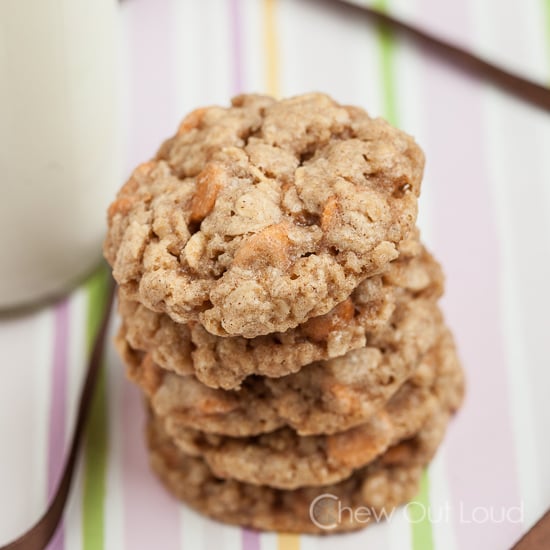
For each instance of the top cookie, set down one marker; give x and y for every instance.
(254, 218)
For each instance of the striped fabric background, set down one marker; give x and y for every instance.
(485, 212)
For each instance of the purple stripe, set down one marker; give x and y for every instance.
(250, 539)
(236, 46)
(152, 65)
(480, 447)
(58, 408)
(151, 515)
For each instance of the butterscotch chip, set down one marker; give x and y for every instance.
(209, 183)
(225, 362)
(320, 328)
(255, 218)
(378, 488)
(284, 460)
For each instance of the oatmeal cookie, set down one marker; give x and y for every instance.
(323, 397)
(224, 363)
(391, 480)
(254, 218)
(284, 460)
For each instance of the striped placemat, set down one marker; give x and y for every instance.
(485, 212)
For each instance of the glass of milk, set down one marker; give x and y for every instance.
(59, 142)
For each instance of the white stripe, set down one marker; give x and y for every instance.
(202, 52)
(215, 56)
(252, 37)
(189, 62)
(312, 543)
(231, 536)
(338, 54)
(192, 523)
(73, 511)
(213, 533)
(399, 531)
(534, 35)
(124, 84)
(24, 418)
(372, 536)
(268, 541)
(522, 27)
(42, 338)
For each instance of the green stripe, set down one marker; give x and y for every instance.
(387, 47)
(421, 527)
(95, 445)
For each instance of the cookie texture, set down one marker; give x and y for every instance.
(225, 362)
(254, 218)
(323, 397)
(284, 460)
(381, 486)
(280, 314)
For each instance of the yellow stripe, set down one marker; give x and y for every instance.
(271, 49)
(287, 541)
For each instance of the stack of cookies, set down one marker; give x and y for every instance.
(280, 314)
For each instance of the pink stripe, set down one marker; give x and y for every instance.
(151, 515)
(250, 539)
(152, 94)
(480, 447)
(236, 46)
(56, 437)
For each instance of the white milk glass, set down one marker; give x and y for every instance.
(59, 142)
